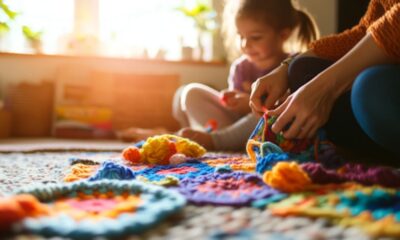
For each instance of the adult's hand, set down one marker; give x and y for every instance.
(309, 107)
(304, 111)
(267, 90)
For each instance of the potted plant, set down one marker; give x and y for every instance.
(203, 17)
(34, 38)
(9, 17)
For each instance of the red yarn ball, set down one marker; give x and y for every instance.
(132, 155)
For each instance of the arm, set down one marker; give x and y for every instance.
(336, 46)
(309, 107)
(386, 31)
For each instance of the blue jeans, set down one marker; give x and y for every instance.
(375, 100)
(366, 118)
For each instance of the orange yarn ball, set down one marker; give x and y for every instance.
(287, 177)
(14, 209)
(132, 154)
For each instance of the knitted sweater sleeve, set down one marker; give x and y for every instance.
(336, 46)
(386, 32)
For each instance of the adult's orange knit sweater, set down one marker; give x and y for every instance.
(382, 20)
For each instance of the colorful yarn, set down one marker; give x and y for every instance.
(16, 208)
(80, 171)
(263, 133)
(180, 171)
(111, 170)
(241, 163)
(287, 177)
(267, 148)
(159, 149)
(385, 176)
(108, 208)
(267, 162)
(132, 154)
(376, 210)
(168, 181)
(235, 189)
(97, 207)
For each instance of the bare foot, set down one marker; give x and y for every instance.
(202, 138)
(138, 134)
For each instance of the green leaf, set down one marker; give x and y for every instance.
(4, 28)
(31, 35)
(202, 14)
(11, 14)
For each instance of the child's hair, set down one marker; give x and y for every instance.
(279, 14)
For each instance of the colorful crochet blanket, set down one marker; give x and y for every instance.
(85, 210)
(290, 177)
(375, 209)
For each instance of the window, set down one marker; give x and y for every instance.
(120, 28)
(54, 18)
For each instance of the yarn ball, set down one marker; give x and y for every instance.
(287, 177)
(14, 209)
(132, 155)
(157, 150)
(189, 148)
(177, 158)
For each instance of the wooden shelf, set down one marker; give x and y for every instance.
(157, 61)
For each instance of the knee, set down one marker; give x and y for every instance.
(369, 89)
(367, 83)
(297, 70)
(303, 69)
(193, 92)
(375, 103)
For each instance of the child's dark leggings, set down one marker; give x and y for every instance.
(366, 118)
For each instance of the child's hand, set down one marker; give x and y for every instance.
(236, 101)
(227, 96)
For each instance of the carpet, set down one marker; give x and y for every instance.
(32, 145)
(195, 222)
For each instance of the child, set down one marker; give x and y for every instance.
(346, 83)
(264, 26)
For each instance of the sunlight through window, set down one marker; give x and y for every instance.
(117, 28)
(54, 19)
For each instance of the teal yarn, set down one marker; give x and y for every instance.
(223, 169)
(157, 204)
(380, 203)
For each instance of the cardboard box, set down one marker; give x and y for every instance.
(5, 124)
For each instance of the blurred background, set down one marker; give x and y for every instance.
(111, 64)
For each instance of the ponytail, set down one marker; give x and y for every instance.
(307, 28)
